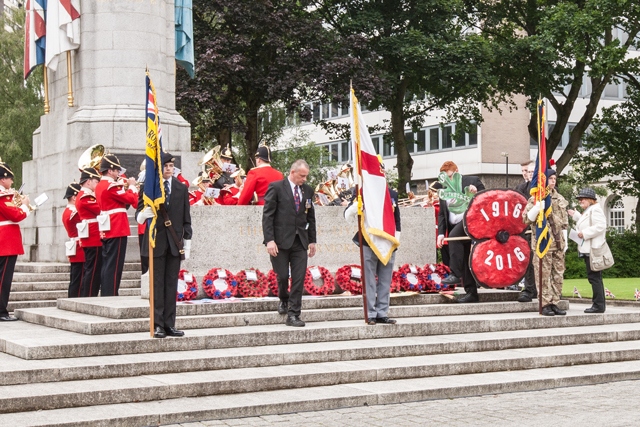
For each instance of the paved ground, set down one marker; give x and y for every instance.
(611, 404)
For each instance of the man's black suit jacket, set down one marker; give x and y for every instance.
(281, 222)
(180, 217)
(443, 215)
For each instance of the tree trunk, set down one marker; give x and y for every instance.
(251, 136)
(404, 160)
(637, 213)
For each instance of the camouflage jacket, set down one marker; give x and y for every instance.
(557, 221)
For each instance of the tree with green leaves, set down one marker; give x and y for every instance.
(410, 58)
(249, 54)
(20, 102)
(564, 51)
(613, 150)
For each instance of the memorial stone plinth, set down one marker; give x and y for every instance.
(231, 237)
(119, 39)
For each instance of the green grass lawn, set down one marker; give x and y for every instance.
(622, 288)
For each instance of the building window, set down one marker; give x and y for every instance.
(376, 144)
(387, 149)
(447, 133)
(616, 215)
(434, 139)
(344, 152)
(421, 141)
(408, 139)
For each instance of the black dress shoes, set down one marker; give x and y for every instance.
(452, 280)
(548, 311)
(468, 298)
(592, 310)
(8, 319)
(557, 310)
(525, 297)
(173, 332)
(282, 307)
(371, 321)
(159, 332)
(294, 321)
(386, 320)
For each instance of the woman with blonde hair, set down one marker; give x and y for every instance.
(591, 226)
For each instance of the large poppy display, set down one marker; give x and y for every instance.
(500, 255)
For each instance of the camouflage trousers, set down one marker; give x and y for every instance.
(552, 275)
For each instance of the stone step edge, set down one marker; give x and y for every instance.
(258, 336)
(90, 324)
(270, 356)
(173, 411)
(197, 384)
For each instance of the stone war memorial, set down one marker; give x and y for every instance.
(97, 361)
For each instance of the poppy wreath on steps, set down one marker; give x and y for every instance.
(500, 254)
(346, 281)
(323, 285)
(187, 290)
(433, 274)
(252, 288)
(408, 278)
(218, 287)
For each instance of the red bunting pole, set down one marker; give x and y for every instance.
(151, 301)
(540, 290)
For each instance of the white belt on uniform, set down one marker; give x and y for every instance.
(90, 221)
(113, 211)
(7, 223)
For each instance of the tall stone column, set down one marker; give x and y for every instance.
(119, 39)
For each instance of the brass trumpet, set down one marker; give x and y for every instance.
(18, 198)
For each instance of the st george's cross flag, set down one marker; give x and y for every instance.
(375, 209)
(35, 32)
(153, 194)
(607, 293)
(63, 29)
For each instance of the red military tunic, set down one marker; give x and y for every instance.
(88, 209)
(10, 216)
(113, 198)
(70, 219)
(195, 196)
(258, 180)
(228, 196)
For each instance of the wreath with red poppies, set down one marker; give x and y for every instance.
(433, 274)
(346, 281)
(214, 285)
(408, 278)
(272, 282)
(324, 285)
(252, 288)
(187, 291)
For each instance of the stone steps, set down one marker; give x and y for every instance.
(96, 325)
(61, 277)
(377, 392)
(17, 305)
(58, 286)
(56, 267)
(54, 295)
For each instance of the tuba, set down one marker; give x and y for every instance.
(91, 157)
(211, 163)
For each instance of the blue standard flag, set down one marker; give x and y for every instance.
(153, 195)
(538, 188)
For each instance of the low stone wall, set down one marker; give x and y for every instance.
(231, 237)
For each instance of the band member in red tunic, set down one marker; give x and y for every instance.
(10, 236)
(197, 196)
(70, 220)
(259, 178)
(114, 200)
(88, 209)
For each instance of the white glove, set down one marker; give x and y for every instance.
(565, 235)
(535, 210)
(351, 212)
(144, 215)
(176, 172)
(398, 236)
(187, 249)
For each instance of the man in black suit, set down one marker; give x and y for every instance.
(167, 252)
(289, 227)
(459, 250)
(530, 291)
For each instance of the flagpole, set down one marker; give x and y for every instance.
(46, 90)
(540, 196)
(151, 296)
(69, 81)
(357, 157)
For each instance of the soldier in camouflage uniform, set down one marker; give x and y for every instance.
(553, 261)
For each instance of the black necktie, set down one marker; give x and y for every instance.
(167, 191)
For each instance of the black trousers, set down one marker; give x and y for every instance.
(530, 275)
(7, 266)
(144, 260)
(75, 282)
(113, 252)
(165, 287)
(459, 251)
(296, 258)
(91, 272)
(597, 285)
